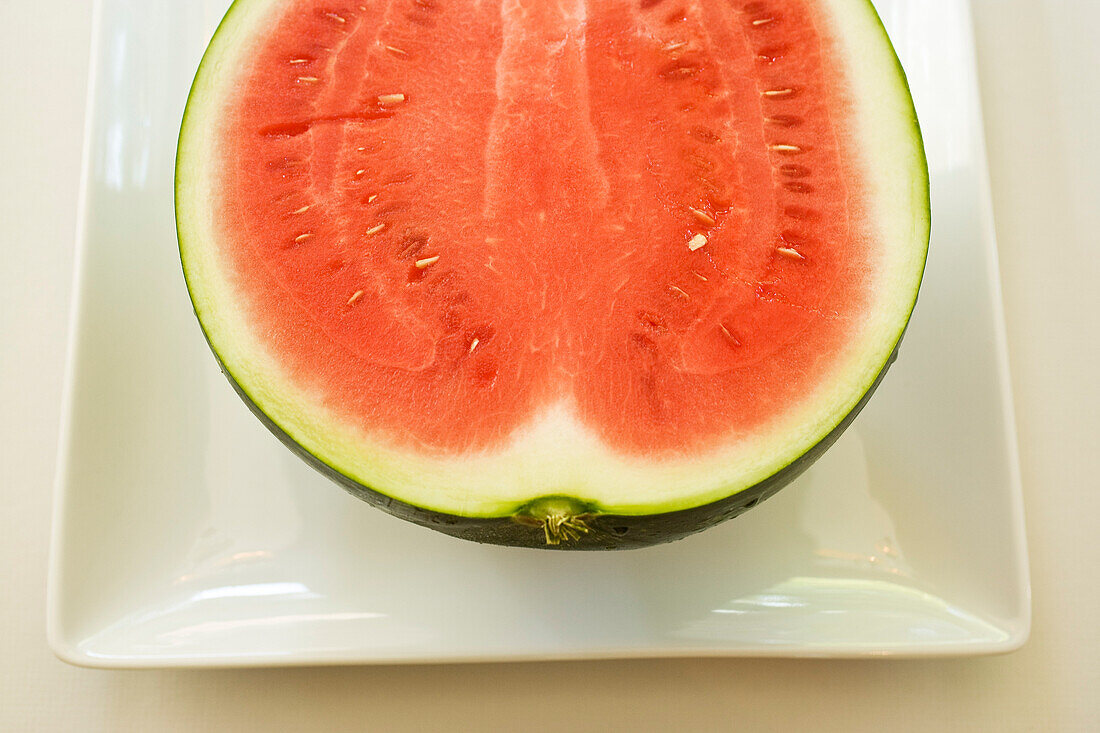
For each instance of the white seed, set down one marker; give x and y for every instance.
(696, 242)
(729, 335)
(358, 294)
(700, 276)
(302, 210)
(376, 228)
(778, 92)
(794, 254)
(473, 344)
(390, 100)
(762, 21)
(675, 46)
(680, 292)
(308, 79)
(299, 61)
(372, 197)
(702, 216)
(398, 51)
(427, 261)
(784, 148)
(337, 18)
(303, 237)
(360, 172)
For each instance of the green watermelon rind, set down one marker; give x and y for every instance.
(608, 524)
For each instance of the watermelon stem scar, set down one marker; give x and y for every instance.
(561, 518)
(567, 275)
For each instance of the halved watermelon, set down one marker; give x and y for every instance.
(571, 274)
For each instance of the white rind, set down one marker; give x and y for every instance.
(556, 454)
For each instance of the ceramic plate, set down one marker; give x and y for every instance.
(185, 534)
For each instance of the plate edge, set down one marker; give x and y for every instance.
(1019, 627)
(55, 636)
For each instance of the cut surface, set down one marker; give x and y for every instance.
(474, 253)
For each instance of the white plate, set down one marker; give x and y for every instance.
(185, 534)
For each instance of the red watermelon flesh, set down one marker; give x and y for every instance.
(448, 217)
(596, 273)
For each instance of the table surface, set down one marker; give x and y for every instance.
(1041, 96)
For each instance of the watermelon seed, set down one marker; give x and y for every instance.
(337, 18)
(303, 237)
(643, 342)
(308, 79)
(771, 54)
(778, 92)
(790, 252)
(396, 50)
(699, 275)
(360, 172)
(473, 344)
(302, 210)
(372, 197)
(678, 70)
(376, 228)
(696, 242)
(426, 262)
(411, 245)
(792, 237)
(762, 21)
(358, 294)
(784, 120)
(703, 216)
(680, 292)
(798, 187)
(794, 170)
(702, 164)
(704, 135)
(675, 46)
(784, 148)
(800, 212)
(391, 100)
(299, 61)
(652, 322)
(730, 336)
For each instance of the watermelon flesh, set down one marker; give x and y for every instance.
(471, 254)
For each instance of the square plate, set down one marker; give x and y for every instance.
(185, 534)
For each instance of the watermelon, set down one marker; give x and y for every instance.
(577, 274)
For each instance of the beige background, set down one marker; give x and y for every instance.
(1039, 64)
